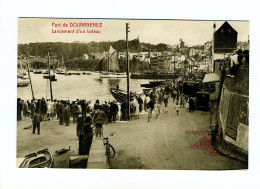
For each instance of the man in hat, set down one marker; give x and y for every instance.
(150, 107)
(19, 109)
(99, 119)
(60, 113)
(74, 111)
(36, 122)
(67, 114)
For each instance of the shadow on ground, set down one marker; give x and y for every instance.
(123, 161)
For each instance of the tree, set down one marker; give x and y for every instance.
(182, 44)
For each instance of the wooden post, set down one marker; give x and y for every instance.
(30, 79)
(50, 76)
(108, 66)
(127, 71)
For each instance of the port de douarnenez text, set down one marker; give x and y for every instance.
(77, 27)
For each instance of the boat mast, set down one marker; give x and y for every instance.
(50, 76)
(108, 61)
(30, 79)
(127, 71)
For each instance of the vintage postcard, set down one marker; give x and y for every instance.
(132, 94)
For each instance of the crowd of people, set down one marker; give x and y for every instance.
(98, 113)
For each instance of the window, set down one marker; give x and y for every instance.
(229, 31)
(222, 31)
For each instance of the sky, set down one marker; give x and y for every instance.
(149, 31)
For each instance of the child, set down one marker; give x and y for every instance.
(187, 106)
(177, 107)
(156, 109)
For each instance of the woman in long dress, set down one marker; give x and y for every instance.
(156, 110)
(119, 111)
(48, 109)
(136, 113)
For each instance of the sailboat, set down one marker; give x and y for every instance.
(22, 81)
(50, 75)
(112, 68)
(60, 69)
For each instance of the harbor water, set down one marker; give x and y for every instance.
(72, 87)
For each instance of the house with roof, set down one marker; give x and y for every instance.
(85, 57)
(207, 47)
(196, 50)
(225, 39)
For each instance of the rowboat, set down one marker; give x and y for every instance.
(120, 95)
(22, 82)
(40, 159)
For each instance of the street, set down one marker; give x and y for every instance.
(174, 142)
(170, 142)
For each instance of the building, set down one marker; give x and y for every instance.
(243, 45)
(96, 56)
(225, 39)
(164, 62)
(176, 61)
(154, 63)
(203, 63)
(207, 47)
(196, 50)
(142, 56)
(121, 55)
(85, 57)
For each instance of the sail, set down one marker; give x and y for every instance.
(102, 65)
(113, 62)
(111, 50)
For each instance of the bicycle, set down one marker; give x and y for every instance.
(110, 151)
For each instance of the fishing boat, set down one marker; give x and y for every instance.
(61, 67)
(153, 75)
(121, 95)
(45, 72)
(112, 75)
(40, 159)
(22, 82)
(60, 71)
(48, 77)
(22, 79)
(37, 71)
(109, 66)
(152, 84)
(86, 73)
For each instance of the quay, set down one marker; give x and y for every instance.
(164, 143)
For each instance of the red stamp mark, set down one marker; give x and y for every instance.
(204, 144)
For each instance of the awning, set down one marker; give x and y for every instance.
(218, 56)
(212, 77)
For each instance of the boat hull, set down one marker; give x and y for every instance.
(23, 82)
(120, 95)
(37, 72)
(47, 77)
(153, 76)
(112, 75)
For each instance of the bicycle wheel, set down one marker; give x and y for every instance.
(112, 151)
(108, 153)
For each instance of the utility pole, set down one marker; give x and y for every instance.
(212, 46)
(174, 62)
(108, 61)
(127, 71)
(50, 76)
(30, 79)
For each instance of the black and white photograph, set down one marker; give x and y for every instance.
(130, 94)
